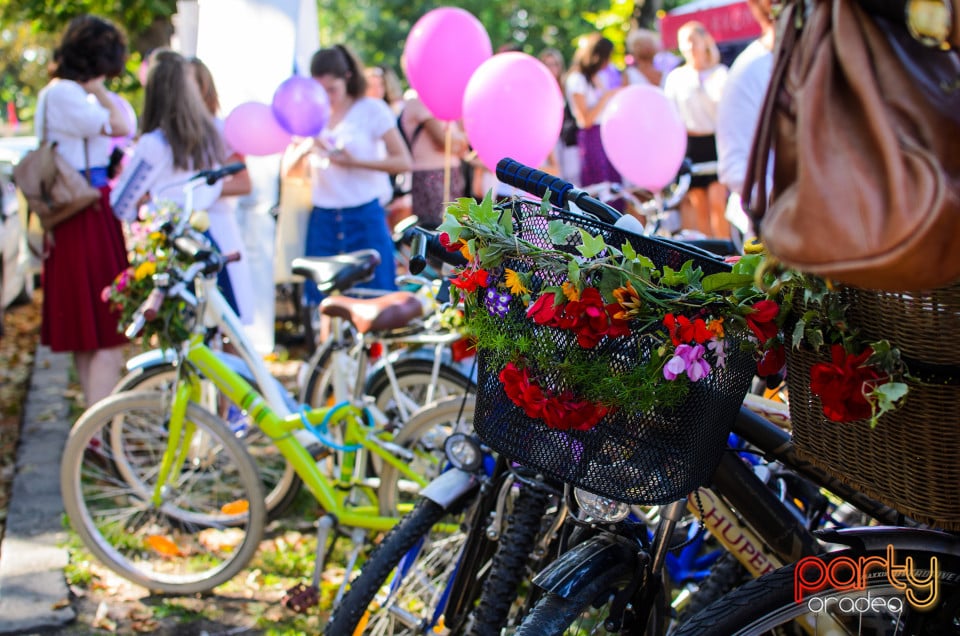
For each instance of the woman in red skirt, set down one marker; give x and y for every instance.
(84, 253)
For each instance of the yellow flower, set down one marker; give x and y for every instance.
(144, 269)
(629, 300)
(570, 291)
(156, 236)
(716, 327)
(753, 246)
(515, 283)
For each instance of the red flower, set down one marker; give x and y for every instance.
(562, 412)
(843, 383)
(683, 331)
(771, 361)
(760, 320)
(447, 245)
(544, 311)
(469, 279)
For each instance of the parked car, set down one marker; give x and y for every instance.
(18, 266)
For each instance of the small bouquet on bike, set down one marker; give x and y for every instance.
(607, 359)
(151, 258)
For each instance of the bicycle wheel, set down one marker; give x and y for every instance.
(210, 521)
(586, 609)
(768, 606)
(280, 482)
(510, 564)
(425, 435)
(421, 552)
(414, 381)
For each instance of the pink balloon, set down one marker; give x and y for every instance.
(251, 129)
(442, 51)
(643, 136)
(512, 107)
(301, 106)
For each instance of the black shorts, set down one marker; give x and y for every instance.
(702, 149)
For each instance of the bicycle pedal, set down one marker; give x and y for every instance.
(300, 598)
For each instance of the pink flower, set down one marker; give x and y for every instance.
(687, 359)
(719, 350)
(105, 294)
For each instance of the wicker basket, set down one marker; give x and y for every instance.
(642, 458)
(910, 460)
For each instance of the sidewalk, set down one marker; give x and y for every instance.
(33, 593)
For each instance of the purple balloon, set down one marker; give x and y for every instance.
(301, 106)
(251, 129)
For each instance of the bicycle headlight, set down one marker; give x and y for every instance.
(600, 508)
(463, 452)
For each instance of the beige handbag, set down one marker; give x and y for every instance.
(54, 189)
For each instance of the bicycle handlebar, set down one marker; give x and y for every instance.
(561, 192)
(423, 242)
(212, 176)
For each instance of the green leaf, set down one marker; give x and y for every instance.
(489, 255)
(506, 220)
(484, 213)
(815, 338)
(726, 281)
(885, 398)
(628, 251)
(559, 232)
(592, 245)
(451, 226)
(797, 337)
(573, 272)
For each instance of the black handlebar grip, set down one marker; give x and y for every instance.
(534, 181)
(418, 253)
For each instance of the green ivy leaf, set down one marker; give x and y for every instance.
(592, 245)
(728, 281)
(885, 398)
(814, 338)
(559, 232)
(797, 337)
(573, 272)
(451, 226)
(506, 220)
(484, 213)
(628, 251)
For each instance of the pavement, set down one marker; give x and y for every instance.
(34, 596)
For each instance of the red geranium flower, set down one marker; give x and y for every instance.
(544, 311)
(771, 361)
(683, 331)
(469, 279)
(842, 384)
(760, 320)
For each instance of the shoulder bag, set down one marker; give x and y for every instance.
(862, 124)
(54, 190)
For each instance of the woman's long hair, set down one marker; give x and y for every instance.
(340, 61)
(593, 55)
(173, 105)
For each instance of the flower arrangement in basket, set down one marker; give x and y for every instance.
(152, 255)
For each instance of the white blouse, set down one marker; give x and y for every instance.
(360, 133)
(72, 115)
(151, 169)
(696, 95)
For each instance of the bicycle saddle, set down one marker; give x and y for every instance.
(337, 273)
(383, 313)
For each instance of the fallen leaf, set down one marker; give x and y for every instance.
(163, 546)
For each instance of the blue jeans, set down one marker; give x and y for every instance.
(341, 230)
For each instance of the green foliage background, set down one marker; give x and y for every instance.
(375, 29)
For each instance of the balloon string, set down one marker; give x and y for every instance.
(447, 160)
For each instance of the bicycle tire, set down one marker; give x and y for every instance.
(397, 544)
(768, 602)
(280, 485)
(554, 614)
(509, 566)
(425, 434)
(179, 547)
(413, 377)
(725, 574)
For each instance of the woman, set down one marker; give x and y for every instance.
(346, 163)
(695, 88)
(643, 45)
(178, 138)
(236, 282)
(588, 94)
(85, 252)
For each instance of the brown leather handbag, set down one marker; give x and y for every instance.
(54, 189)
(862, 124)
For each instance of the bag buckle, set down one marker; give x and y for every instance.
(930, 22)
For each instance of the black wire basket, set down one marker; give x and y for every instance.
(652, 457)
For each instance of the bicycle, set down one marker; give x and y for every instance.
(178, 507)
(618, 558)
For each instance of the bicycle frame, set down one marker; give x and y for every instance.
(280, 429)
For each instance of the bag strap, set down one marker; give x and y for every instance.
(755, 196)
(43, 137)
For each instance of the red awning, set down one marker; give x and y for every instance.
(725, 20)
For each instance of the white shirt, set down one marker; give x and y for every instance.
(577, 84)
(696, 95)
(739, 111)
(151, 169)
(361, 133)
(72, 115)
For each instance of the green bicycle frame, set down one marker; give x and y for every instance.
(330, 494)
